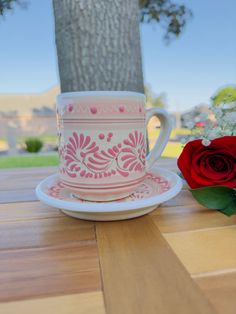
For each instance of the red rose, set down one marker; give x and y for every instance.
(209, 165)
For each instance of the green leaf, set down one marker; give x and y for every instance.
(221, 198)
(230, 209)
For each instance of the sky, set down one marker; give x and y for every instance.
(189, 70)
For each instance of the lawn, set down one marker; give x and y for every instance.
(173, 149)
(33, 160)
(153, 133)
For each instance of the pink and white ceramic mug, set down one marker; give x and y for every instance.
(102, 142)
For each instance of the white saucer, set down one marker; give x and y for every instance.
(159, 186)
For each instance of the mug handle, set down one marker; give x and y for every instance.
(165, 130)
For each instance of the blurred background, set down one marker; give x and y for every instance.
(188, 62)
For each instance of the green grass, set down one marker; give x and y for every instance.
(153, 133)
(28, 161)
(173, 150)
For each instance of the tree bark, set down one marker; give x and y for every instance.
(98, 45)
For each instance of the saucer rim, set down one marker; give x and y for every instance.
(113, 206)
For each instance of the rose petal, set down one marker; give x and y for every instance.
(211, 165)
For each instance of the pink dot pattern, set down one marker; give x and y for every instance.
(121, 108)
(93, 110)
(70, 108)
(101, 136)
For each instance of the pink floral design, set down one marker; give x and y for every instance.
(55, 190)
(77, 151)
(105, 161)
(62, 155)
(81, 156)
(134, 154)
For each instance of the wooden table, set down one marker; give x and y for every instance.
(180, 259)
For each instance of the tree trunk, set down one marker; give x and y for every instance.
(98, 45)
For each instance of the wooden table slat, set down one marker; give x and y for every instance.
(220, 290)
(44, 232)
(205, 250)
(22, 178)
(84, 303)
(190, 217)
(15, 196)
(29, 273)
(141, 274)
(27, 211)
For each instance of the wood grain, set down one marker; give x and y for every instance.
(184, 198)
(84, 303)
(29, 273)
(18, 185)
(141, 274)
(27, 211)
(15, 196)
(205, 250)
(44, 232)
(220, 290)
(190, 217)
(29, 171)
(23, 178)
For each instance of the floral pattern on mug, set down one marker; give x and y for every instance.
(81, 156)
